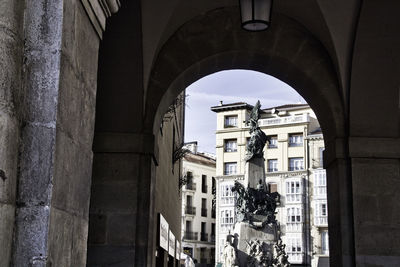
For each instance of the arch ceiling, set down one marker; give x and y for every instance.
(214, 41)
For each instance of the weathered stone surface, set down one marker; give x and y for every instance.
(119, 256)
(7, 213)
(36, 169)
(32, 235)
(114, 196)
(72, 176)
(120, 166)
(67, 239)
(97, 228)
(121, 229)
(8, 158)
(376, 220)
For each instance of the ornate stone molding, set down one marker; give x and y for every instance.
(98, 11)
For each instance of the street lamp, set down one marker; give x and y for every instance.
(255, 14)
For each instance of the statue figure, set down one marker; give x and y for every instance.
(229, 254)
(258, 138)
(258, 254)
(280, 257)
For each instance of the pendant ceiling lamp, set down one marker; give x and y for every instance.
(255, 14)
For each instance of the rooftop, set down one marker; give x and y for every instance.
(200, 158)
(244, 105)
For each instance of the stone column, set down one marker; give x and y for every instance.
(42, 54)
(121, 209)
(376, 194)
(340, 203)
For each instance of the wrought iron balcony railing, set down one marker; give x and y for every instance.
(188, 235)
(191, 186)
(190, 210)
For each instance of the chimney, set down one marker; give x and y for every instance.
(221, 102)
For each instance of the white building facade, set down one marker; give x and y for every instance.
(290, 170)
(198, 215)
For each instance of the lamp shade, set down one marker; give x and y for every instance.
(255, 14)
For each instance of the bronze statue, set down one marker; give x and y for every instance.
(258, 138)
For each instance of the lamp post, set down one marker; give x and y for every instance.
(255, 14)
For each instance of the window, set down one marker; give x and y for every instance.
(320, 184)
(272, 165)
(230, 121)
(273, 141)
(296, 164)
(230, 168)
(321, 156)
(204, 207)
(293, 191)
(273, 187)
(294, 215)
(230, 145)
(189, 177)
(204, 183)
(294, 249)
(294, 219)
(296, 139)
(294, 245)
(227, 217)
(324, 243)
(226, 195)
(321, 213)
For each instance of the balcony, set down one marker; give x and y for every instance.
(321, 220)
(284, 120)
(203, 237)
(190, 210)
(191, 235)
(295, 257)
(296, 168)
(317, 163)
(191, 186)
(204, 188)
(212, 238)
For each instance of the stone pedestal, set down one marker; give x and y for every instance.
(244, 234)
(254, 172)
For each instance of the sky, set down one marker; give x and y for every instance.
(229, 86)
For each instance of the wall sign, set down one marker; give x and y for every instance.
(171, 249)
(164, 229)
(178, 250)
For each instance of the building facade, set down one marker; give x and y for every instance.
(293, 169)
(198, 214)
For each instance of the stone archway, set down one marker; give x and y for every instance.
(214, 42)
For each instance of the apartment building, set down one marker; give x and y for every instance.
(198, 214)
(293, 164)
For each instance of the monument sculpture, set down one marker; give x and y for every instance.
(256, 229)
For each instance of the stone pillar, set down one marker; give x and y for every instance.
(11, 16)
(254, 172)
(121, 209)
(42, 54)
(340, 203)
(376, 194)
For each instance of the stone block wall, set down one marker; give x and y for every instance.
(11, 48)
